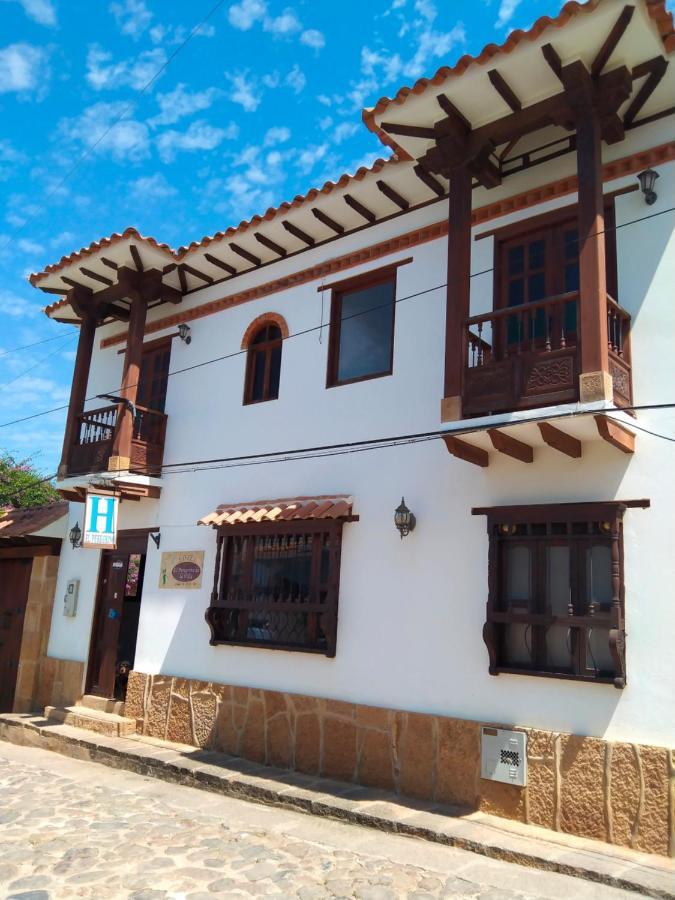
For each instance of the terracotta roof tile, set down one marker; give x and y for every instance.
(656, 9)
(182, 252)
(20, 522)
(286, 510)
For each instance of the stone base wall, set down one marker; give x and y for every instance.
(620, 793)
(36, 625)
(60, 682)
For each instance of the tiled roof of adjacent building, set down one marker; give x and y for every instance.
(21, 522)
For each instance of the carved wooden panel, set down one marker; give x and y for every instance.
(621, 380)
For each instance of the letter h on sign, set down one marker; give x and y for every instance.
(100, 521)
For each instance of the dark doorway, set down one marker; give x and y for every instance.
(118, 607)
(14, 584)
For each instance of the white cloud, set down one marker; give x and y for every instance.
(325, 122)
(153, 187)
(17, 307)
(179, 102)
(427, 9)
(125, 140)
(296, 79)
(103, 74)
(309, 157)
(245, 91)
(132, 16)
(40, 11)
(27, 246)
(171, 35)
(284, 25)
(23, 69)
(276, 135)
(506, 10)
(433, 45)
(199, 136)
(313, 38)
(245, 14)
(343, 131)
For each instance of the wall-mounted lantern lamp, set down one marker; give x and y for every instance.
(404, 520)
(647, 180)
(184, 333)
(75, 536)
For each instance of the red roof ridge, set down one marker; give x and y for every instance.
(655, 8)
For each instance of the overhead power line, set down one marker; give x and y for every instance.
(314, 328)
(87, 152)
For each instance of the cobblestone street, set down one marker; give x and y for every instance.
(78, 829)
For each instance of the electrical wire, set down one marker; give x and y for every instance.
(314, 328)
(56, 337)
(86, 153)
(68, 337)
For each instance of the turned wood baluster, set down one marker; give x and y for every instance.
(547, 345)
(480, 343)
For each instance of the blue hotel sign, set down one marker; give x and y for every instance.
(100, 521)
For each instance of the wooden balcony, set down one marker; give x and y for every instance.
(95, 433)
(529, 356)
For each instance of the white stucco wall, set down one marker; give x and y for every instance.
(411, 612)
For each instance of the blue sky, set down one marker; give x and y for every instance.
(262, 103)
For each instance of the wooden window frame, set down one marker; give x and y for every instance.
(267, 347)
(539, 616)
(368, 279)
(221, 606)
(162, 343)
(550, 225)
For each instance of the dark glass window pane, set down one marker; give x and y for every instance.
(366, 332)
(268, 333)
(518, 577)
(536, 287)
(516, 260)
(599, 575)
(517, 645)
(559, 648)
(537, 251)
(275, 372)
(598, 656)
(258, 388)
(516, 292)
(572, 276)
(571, 241)
(558, 577)
(282, 567)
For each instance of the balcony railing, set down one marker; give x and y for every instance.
(528, 356)
(95, 434)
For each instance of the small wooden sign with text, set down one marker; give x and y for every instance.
(181, 569)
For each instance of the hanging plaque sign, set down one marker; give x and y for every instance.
(181, 569)
(100, 521)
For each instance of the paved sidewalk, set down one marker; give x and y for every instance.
(485, 835)
(70, 828)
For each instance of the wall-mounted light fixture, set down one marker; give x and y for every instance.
(647, 180)
(75, 536)
(184, 333)
(404, 520)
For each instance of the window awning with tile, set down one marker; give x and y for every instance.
(292, 509)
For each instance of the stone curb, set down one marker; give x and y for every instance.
(487, 836)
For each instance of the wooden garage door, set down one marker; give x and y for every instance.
(14, 582)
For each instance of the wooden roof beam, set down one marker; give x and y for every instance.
(655, 70)
(612, 39)
(220, 264)
(89, 273)
(418, 131)
(136, 256)
(428, 179)
(511, 446)
(327, 221)
(245, 254)
(197, 274)
(111, 264)
(393, 195)
(450, 109)
(358, 207)
(462, 450)
(504, 89)
(299, 233)
(615, 434)
(270, 244)
(553, 59)
(169, 268)
(560, 440)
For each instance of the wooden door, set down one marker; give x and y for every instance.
(154, 376)
(14, 584)
(115, 619)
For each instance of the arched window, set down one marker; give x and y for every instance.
(263, 364)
